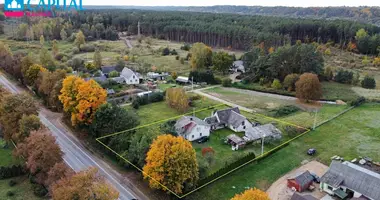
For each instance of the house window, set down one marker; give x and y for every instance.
(200, 134)
(243, 123)
(133, 76)
(192, 136)
(243, 127)
(130, 81)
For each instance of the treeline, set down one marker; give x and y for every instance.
(362, 14)
(224, 30)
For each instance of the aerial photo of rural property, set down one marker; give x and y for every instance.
(212, 100)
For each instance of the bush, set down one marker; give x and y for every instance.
(283, 111)
(75, 50)
(114, 74)
(39, 190)
(12, 183)
(147, 99)
(358, 101)
(276, 84)
(226, 82)
(87, 48)
(177, 57)
(369, 82)
(10, 194)
(165, 51)
(344, 76)
(174, 52)
(290, 81)
(135, 104)
(186, 47)
(182, 61)
(202, 76)
(60, 56)
(11, 171)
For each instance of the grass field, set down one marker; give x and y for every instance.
(351, 135)
(6, 157)
(22, 190)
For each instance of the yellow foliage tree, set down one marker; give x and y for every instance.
(32, 73)
(177, 98)
(376, 61)
(172, 162)
(81, 99)
(252, 194)
(201, 56)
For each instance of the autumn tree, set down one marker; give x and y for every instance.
(84, 185)
(27, 124)
(55, 47)
(177, 98)
(63, 34)
(252, 194)
(42, 40)
(79, 39)
(26, 63)
(222, 61)
(201, 56)
(12, 109)
(290, 81)
(308, 87)
(6, 56)
(41, 153)
(57, 172)
(32, 73)
(172, 162)
(46, 59)
(47, 84)
(97, 59)
(81, 99)
(174, 75)
(329, 73)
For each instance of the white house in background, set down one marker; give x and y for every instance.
(130, 77)
(350, 181)
(238, 66)
(192, 128)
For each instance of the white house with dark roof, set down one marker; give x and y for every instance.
(130, 77)
(347, 180)
(192, 128)
(230, 118)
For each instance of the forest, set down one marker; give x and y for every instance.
(221, 30)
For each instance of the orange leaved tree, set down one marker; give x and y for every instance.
(171, 164)
(177, 99)
(81, 98)
(252, 194)
(308, 87)
(84, 185)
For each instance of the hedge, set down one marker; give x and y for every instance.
(11, 171)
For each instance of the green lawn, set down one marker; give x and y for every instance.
(6, 157)
(351, 135)
(22, 190)
(338, 91)
(165, 86)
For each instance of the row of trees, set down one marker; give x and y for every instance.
(225, 30)
(43, 156)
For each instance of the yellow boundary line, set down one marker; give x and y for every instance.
(219, 177)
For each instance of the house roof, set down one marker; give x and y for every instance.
(257, 132)
(213, 120)
(108, 69)
(118, 79)
(354, 177)
(182, 79)
(188, 123)
(230, 116)
(236, 139)
(298, 196)
(238, 63)
(303, 179)
(110, 91)
(127, 73)
(101, 78)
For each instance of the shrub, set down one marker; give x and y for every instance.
(10, 193)
(39, 190)
(276, 84)
(369, 82)
(344, 76)
(165, 51)
(186, 47)
(177, 57)
(182, 61)
(75, 50)
(358, 101)
(11, 171)
(261, 81)
(135, 105)
(60, 56)
(283, 111)
(12, 183)
(226, 82)
(147, 99)
(174, 52)
(202, 76)
(114, 74)
(126, 58)
(328, 51)
(365, 60)
(290, 81)
(87, 48)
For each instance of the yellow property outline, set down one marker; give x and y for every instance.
(217, 178)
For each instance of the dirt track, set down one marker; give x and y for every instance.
(279, 191)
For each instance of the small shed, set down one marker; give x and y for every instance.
(298, 196)
(235, 141)
(301, 182)
(182, 80)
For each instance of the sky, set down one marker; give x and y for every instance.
(296, 3)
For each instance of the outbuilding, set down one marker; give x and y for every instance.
(300, 182)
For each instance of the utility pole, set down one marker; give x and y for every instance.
(138, 28)
(262, 144)
(192, 84)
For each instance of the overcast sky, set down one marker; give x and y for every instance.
(301, 3)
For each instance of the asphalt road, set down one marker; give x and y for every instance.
(76, 155)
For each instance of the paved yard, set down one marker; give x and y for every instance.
(279, 191)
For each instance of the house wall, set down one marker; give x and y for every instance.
(291, 183)
(132, 81)
(198, 132)
(325, 187)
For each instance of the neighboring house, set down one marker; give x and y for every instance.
(348, 180)
(110, 91)
(230, 118)
(98, 79)
(157, 76)
(107, 69)
(141, 94)
(238, 66)
(130, 77)
(182, 80)
(191, 128)
(266, 131)
(236, 141)
(300, 182)
(119, 79)
(298, 196)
